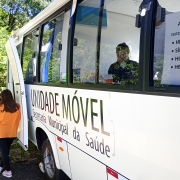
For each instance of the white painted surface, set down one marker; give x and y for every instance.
(85, 167)
(62, 150)
(19, 89)
(144, 131)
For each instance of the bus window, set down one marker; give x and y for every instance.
(51, 51)
(30, 56)
(84, 52)
(119, 49)
(101, 36)
(166, 63)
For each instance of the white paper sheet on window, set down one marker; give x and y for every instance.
(171, 66)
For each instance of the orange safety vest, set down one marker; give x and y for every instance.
(9, 123)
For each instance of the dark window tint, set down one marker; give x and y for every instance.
(30, 56)
(84, 53)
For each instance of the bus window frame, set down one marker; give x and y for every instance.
(148, 23)
(23, 47)
(94, 85)
(61, 10)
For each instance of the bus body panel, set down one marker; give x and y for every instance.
(19, 90)
(145, 141)
(63, 154)
(52, 139)
(92, 169)
(97, 134)
(105, 136)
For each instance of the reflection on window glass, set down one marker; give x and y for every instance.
(51, 51)
(167, 45)
(84, 54)
(30, 57)
(119, 54)
(107, 49)
(123, 71)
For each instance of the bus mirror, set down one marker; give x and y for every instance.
(138, 21)
(75, 41)
(161, 12)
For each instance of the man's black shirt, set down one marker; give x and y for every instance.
(128, 72)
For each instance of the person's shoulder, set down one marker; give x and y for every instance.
(111, 66)
(17, 109)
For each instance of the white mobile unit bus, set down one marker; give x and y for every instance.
(99, 86)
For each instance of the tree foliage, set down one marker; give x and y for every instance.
(13, 15)
(4, 34)
(20, 12)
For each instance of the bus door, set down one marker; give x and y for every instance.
(19, 91)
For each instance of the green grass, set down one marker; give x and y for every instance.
(17, 153)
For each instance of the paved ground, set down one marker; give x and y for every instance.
(25, 171)
(25, 164)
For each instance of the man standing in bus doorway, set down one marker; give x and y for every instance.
(124, 70)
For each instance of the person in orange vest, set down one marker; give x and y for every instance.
(9, 122)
